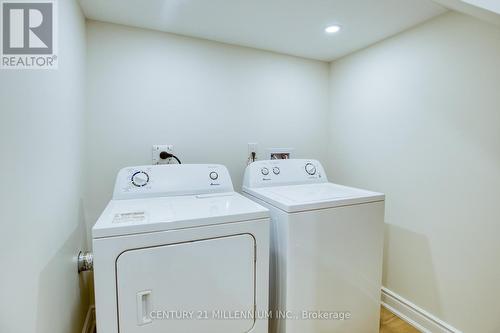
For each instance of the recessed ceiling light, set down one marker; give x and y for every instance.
(332, 29)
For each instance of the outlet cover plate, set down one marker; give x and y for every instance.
(253, 147)
(157, 149)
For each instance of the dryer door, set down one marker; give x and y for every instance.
(197, 286)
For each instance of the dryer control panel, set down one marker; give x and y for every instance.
(170, 180)
(284, 172)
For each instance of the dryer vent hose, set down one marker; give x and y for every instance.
(85, 261)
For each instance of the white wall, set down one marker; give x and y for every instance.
(418, 117)
(42, 225)
(206, 98)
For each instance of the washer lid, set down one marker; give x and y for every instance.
(296, 198)
(132, 216)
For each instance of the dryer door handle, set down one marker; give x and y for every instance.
(144, 308)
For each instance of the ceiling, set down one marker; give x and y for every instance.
(294, 27)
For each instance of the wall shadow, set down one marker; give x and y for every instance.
(63, 294)
(419, 286)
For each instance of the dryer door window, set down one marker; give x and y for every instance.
(197, 286)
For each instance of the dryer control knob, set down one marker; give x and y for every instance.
(214, 175)
(265, 171)
(310, 169)
(140, 179)
(276, 170)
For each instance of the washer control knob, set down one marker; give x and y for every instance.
(310, 169)
(140, 179)
(276, 170)
(214, 175)
(265, 171)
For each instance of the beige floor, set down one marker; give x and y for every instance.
(390, 323)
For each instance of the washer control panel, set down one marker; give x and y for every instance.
(284, 172)
(171, 180)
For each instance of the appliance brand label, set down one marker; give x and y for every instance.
(130, 217)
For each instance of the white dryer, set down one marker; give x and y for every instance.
(326, 248)
(177, 250)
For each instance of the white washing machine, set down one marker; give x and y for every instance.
(326, 248)
(177, 250)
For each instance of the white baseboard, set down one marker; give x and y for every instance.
(89, 324)
(413, 315)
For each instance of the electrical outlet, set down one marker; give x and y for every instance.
(252, 152)
(158, 149)
(253, 147)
